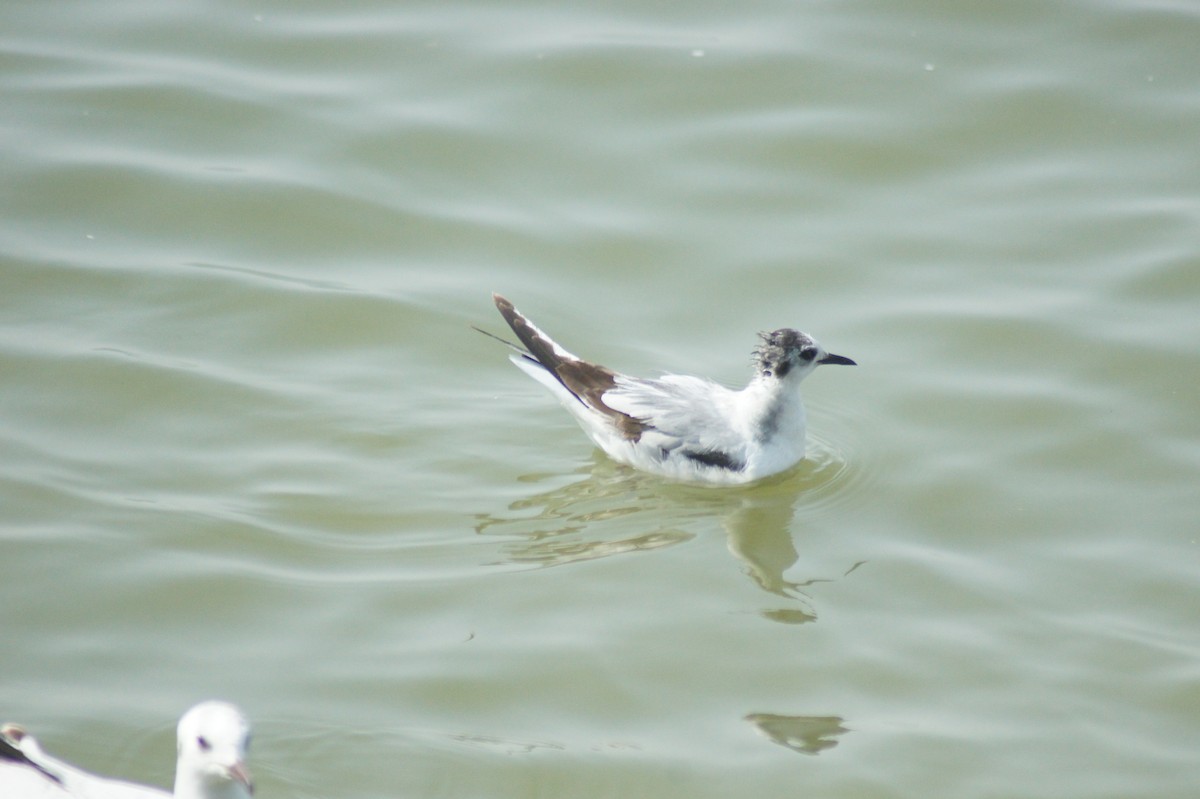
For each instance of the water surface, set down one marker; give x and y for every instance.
(251, 448)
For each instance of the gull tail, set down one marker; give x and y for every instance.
(586, 382)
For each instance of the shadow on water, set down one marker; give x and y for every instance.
(614, 510)
(809, 735)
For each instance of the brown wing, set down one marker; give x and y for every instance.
(587, 381)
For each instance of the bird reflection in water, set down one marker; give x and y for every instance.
(808, 735)
(615, 510)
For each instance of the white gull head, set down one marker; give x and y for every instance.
(212, 741)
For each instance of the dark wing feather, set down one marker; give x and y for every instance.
(587, 381)
(10, 736)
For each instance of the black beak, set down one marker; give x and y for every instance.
(838, 359)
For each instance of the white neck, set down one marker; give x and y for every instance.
(774, 409)
(194, 786)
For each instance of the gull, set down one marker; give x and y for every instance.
(682, 427)
(212, 741)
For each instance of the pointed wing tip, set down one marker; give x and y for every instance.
(18, 746)
(12, 732)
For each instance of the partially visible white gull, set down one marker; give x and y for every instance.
(679, 426)
(212, 742)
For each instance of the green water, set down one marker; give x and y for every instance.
(250, 447)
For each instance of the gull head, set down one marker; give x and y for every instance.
(787, 354)
(213, 739)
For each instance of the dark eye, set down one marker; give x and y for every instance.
(808, 353)
(203, 743)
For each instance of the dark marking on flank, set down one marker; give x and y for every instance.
(715, 457)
